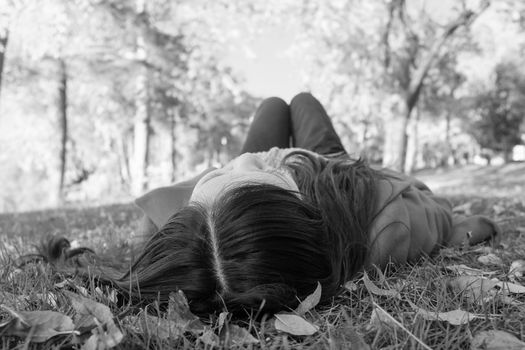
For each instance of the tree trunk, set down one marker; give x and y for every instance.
(123, 150)
(174, 116)
(395, 145)
(141, 135)
(412, 143)
(507, 154)
(141, 127)
(4, 38)
(394, 152)
(62, 105)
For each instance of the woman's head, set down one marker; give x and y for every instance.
(256, 245)
(260, 244)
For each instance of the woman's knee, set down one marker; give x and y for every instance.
(302, 98)
(274, 102)
(273, 108)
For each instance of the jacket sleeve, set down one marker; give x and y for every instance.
(161, 203)
(410, 221)
(473, 229)
(390, 235)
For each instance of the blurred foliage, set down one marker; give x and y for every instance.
(158, 68)
(501, 110)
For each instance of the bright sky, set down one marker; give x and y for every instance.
(268, 69)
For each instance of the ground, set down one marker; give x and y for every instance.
(383, 312)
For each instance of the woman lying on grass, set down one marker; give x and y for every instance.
(260, 232)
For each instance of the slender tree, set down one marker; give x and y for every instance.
(411, 76)
(62, 107)
(4, 39)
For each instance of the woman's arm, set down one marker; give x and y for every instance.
(473, 229)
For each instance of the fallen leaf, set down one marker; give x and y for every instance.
(483, 250)
(70, 283)
(466, 270)
(109, 295)
(451, 252)
(454, 317)
(373, 289)
(310, 301)
(92, 315)
(516, 270)
(179, 312)
(179, 319)
(474, 288)
(38, 325)
(351, 286)
(154, 326)
(496, 340)
(513, 288)
(230, 334)
(223, 317)
(209, 337)
(490, 259)
(92, 343)
(508, 300)
(240, 336)
(294, 324)
(48, 297)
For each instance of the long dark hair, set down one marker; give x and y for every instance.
(260, 246)
(345, 192)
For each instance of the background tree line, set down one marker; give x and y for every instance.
(103, 99)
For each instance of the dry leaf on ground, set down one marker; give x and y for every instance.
(154, 326)
(230, 334)
(462, 269)
(454, 317)
(179, 319)
(38, 325)
(294, 324)
(209, 337)
(179, 312)
(96, 317)
(474, 288)
(513, 288)
(239, 336)
(351, 286)
(480, 289)
(490, 259)
(496, 340)
(310, 301)
(516, 270)
(373, 289)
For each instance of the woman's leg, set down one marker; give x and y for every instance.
(312, 128)
(270, 127)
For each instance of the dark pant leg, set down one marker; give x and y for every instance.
(271, 127)
(312, 129)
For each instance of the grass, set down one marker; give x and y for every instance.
(495, 192)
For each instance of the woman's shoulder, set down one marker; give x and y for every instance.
(161, 203)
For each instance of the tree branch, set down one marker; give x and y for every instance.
(386, 34)
(466, 18)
